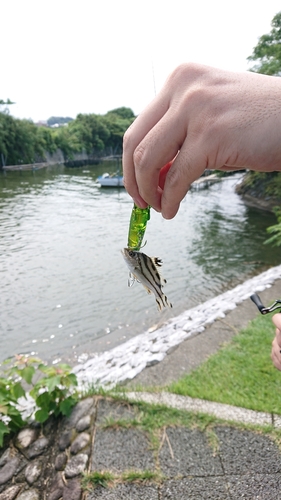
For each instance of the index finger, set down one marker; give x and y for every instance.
(277, 320)
(133, 137)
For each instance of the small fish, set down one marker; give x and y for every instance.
(144, 269)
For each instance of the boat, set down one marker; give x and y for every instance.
(114, 180)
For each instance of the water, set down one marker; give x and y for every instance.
(63, 279)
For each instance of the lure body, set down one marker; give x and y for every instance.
(137, 227)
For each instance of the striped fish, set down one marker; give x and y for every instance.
(144, 269)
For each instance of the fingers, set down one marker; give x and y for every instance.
(277, 322)
(160, 145)
(133, 137)
(275, 354)
(188, 166)
(276, 344)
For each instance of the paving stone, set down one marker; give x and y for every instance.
(66, 439)
(26, 437)
(9, 469)
(84, 407)
(56, 494)
(60, 462)
(195, 488)
(115, 410)
(83, 424)
(72, 490)
(80, 442)
(121, 449)
(246, 452)
(76, 465)
(5, 457)
(56, 488)
(257, 486)
(29, 495)
(37, 447)
(188, 453)
(32, 472)
(11, 493)
(127, 492)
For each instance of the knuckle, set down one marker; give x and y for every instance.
(127, 139)
(139, 157)
(187, 72)
(176, 176)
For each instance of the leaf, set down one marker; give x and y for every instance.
(4, 429)
(52, 383)
(41, 415)
(43, 400)
(16, 421)
(27, 373)
(72, 379)
(4, 409)
(18, 391)
(66, 405)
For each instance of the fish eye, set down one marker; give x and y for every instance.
(131, 253)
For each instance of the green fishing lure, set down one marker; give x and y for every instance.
(142, 268)
(137, 227)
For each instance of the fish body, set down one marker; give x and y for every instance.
(145, 270)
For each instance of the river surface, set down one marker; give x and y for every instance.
(63, 279)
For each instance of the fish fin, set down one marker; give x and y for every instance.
(147, 289)
(131, 279)
(163, 302)
(157, 261)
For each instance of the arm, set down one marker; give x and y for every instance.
(204, 118)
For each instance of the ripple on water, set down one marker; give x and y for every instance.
(60, 242)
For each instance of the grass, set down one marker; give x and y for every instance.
(104, 479)
(240, 374)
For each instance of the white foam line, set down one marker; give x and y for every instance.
(130, 358)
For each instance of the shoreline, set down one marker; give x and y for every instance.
(126, 361)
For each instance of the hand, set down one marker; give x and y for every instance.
(276, 344)
(204, 118)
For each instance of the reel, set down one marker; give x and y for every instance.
(265, 310)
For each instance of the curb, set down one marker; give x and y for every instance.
(218, 410)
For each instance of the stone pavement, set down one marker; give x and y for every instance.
(222, 461)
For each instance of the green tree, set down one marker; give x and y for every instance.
(117, 122)
(91, 131)
(59, 120)
(267, 52)
(6, 103)
(123, 112)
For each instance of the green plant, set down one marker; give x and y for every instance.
(97, 478)
(10, 417)
(54, 392)
(275, 230)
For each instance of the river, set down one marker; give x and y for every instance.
(63, 279)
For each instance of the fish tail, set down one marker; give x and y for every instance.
(163, 302)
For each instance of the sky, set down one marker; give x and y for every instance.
(64, 57)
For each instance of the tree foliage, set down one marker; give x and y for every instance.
(21, 141)
(267, 52)
(58, 120)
